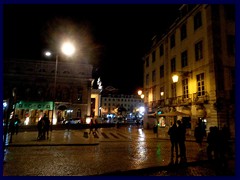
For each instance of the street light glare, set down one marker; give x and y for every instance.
(48, 53)
(68, 48)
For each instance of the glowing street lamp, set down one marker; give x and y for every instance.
(175, 78)
(67, 49)
(139, 92)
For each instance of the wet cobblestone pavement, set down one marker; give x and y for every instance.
(127, 151)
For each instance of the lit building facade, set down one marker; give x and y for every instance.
(110, 102)
(200, 48)
(33, 82)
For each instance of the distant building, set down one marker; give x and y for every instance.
(112, 101)
(33, 83)
(199, 47)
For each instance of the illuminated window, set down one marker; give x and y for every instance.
(200, 84)
(185, 88)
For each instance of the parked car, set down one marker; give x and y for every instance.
(72, 121)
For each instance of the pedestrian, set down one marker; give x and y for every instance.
(181, 134)
(199, 133)
(16, 124)
(172, 132)
(96, 125)
(212, 140)
(91, 127)
(46, 126)
(40, 127)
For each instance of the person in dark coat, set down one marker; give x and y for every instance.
(46, 126)
(40, 127)
(213, 143)
(199, 133)
(172, 132)
(181, 134)
(16, 124)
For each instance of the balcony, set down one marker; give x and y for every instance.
(202, 98)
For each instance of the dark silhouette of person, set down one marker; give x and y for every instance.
(91, 127)
(199, 133)
(16, 123)
(40, 127)
(212, 140)
(181, 134)
(46, 126)
(172, 132)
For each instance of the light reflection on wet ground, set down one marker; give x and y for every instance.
(134, 149)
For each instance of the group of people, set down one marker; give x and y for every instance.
(43, 128)
(177, 137)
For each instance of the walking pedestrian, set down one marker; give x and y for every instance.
(96, 125)
(181, 134)
(91, 127)
(172, 132)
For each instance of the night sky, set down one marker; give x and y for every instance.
(114, 38)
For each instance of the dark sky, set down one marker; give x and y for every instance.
(115, 37)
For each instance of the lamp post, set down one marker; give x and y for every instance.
(68, 49)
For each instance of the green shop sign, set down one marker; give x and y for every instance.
(46, 105)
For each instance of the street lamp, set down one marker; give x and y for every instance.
(175, 76)
(67, 49)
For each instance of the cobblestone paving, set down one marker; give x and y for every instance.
(124, 151)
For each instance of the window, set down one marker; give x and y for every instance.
(197, 20)
(161, 50)
(183, 32)
(174, 90)
(173, 65)
(200, 84)
(153, 76)
(147, 79)
(154, 93)
(172, 41)
(153, 56)
(161, 71)
(147, 62)
(231, 45)
(185, 88)
(184, 59)
(198, 51)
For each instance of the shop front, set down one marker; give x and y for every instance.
(30, 112)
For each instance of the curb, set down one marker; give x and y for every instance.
(59, 144)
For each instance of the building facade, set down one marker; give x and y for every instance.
(111, 101)
(199, 47)
(33, 83)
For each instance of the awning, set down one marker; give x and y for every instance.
(45, 105)
(175, 113)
